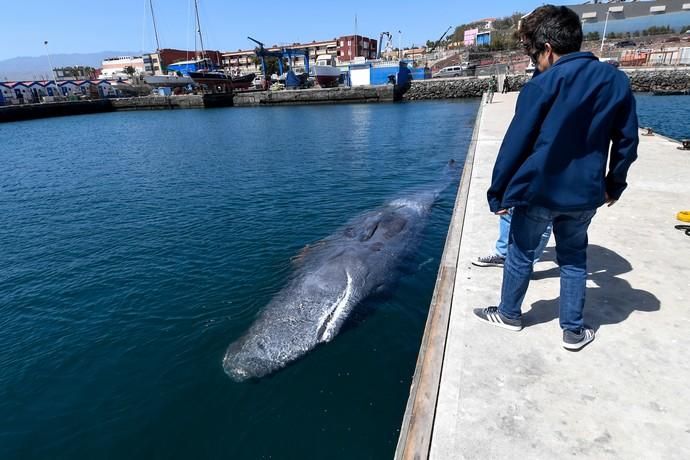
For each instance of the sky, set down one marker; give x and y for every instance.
(84, 26)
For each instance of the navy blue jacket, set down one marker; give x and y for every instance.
(555, 152)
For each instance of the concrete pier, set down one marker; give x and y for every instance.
(481, 392)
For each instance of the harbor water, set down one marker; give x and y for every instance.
(667, 115)
(136, 246)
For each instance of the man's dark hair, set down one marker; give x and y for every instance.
(558, 26)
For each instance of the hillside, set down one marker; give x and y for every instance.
(30, 68)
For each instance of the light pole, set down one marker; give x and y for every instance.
(603, 37)
(52, 70)
(400, 44)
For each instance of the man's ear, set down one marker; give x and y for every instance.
(548, 50)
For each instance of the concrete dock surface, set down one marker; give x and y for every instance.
(502, 394)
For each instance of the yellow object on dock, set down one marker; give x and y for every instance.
(683, 216)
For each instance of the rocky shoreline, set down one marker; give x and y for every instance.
(662, 81)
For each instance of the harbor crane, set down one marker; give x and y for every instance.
(284, 52)
(439, 40)
(388, 45)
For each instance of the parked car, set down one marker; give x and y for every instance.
(625, 44)
(611, 61)
(452, 71)
(468, 65)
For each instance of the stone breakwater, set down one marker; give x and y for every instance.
(663, 80)
(451, 88)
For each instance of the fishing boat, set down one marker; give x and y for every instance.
(325, 71)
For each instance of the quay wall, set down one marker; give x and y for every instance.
(158, 102)
(315, 96)
(57, 109)
(451, 88)
(53, 109)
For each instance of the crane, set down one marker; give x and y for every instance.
(439, 40)
(383, 34)
(284, 52)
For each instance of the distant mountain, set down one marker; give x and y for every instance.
(30, 68)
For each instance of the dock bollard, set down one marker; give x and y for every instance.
(686, 144)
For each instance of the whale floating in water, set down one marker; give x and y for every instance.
(332, 278)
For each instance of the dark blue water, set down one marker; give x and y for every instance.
(136, 246)
(668, 115)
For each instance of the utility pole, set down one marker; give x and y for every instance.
(606, 23)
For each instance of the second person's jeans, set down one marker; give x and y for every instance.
(504, 235)
(526, 230)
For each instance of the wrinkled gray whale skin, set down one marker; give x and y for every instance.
(333, 276)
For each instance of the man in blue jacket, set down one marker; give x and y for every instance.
(552, 165)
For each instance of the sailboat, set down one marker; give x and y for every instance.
(171, 80)
(215, 79)
(209, 78)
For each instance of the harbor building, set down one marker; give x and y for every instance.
(27, 92)
(344, 49)
(634, 17)
(353, 46)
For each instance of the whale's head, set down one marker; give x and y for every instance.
(309, 311)
(247, 359)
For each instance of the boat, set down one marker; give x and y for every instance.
(327, 75)
(171, 80)
(670, 92)
(210, 77)
(243, 81)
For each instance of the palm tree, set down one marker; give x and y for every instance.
(129, 70)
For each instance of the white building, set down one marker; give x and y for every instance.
(115, 67)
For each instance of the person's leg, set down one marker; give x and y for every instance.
(542, 244)
(526, 230)
(503, 234)
(570, 230)
(498, 256)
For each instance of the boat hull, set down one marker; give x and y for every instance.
(326, 76)
(168, 81)
(212, 80)
(244, 81)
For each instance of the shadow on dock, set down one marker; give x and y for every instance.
(613, 299)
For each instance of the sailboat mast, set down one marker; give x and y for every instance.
(198, 29)
(155, 27)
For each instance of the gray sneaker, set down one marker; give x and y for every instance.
(492, 260)
(575, 341)
(492, 316)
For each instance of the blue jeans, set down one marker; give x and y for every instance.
(504, 234)
(526, 230)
